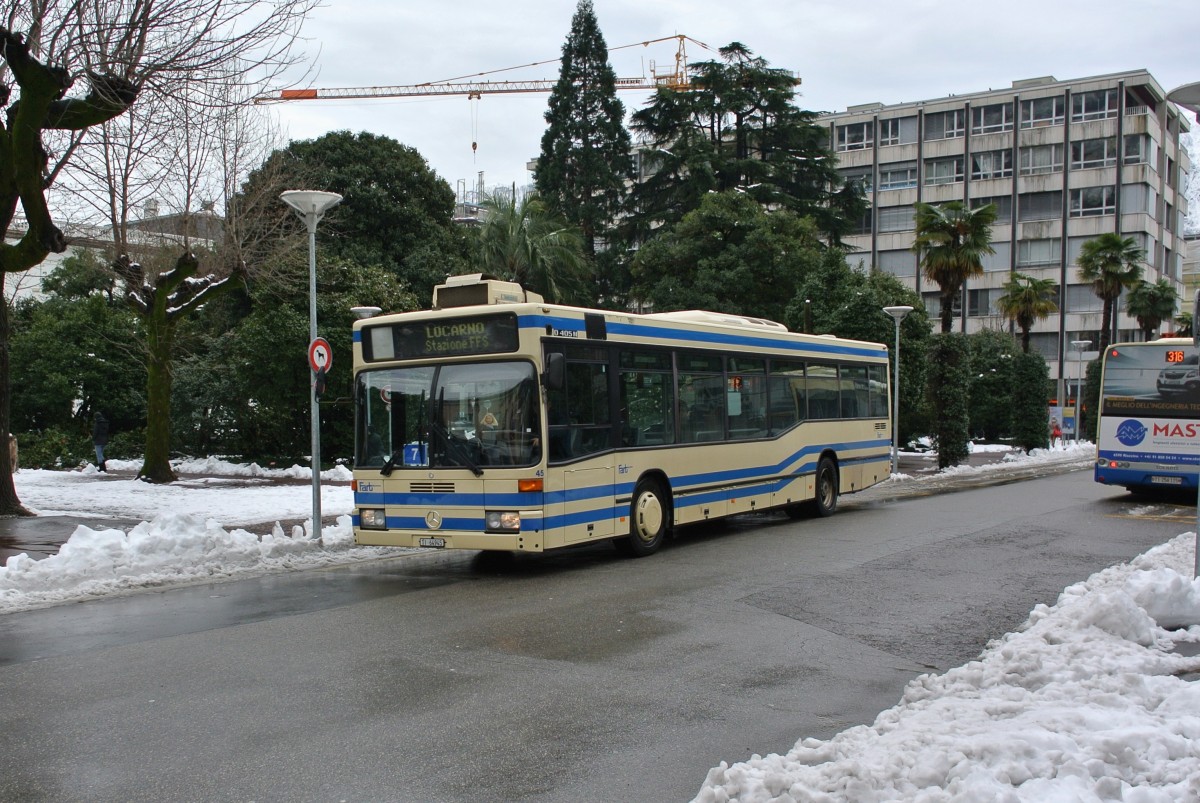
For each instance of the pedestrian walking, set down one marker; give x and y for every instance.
(100, 439)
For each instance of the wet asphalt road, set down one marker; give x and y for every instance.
(579, 676)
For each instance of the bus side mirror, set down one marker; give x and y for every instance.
(554, 377)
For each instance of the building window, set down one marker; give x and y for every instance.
(990, 119)
(1139, 198)
(982, 302)
(1039, 252)
(1044, 343)
(862, 176)
(896, 218)
(1081, 298)
(1093, 201)
(898, 263)
(944, 171)
(854, 136)
(991, 164)
(933, 303)
(1003, 204)
(889, 131)
(1094, 105)
(1037, 159)
(1040, 205)
(1139, 149)
(1171, 178)
(1000, 259)
(1094, 153)
(898, 176)
(944, 125)
(1043, 111)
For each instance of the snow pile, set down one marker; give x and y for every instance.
(173, 549)
(1086, 702)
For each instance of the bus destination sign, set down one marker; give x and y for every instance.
(441, 337)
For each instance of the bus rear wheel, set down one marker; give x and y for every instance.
(649, 520)
(826, 499)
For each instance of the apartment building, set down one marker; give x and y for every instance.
(1063, 161)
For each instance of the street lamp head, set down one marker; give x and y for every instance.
(310, 205)
(898, 312)
(1187, 96)
(365, 312)
(1080, 345)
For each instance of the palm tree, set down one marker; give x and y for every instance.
(1185, 323)
(951, 241)
(1152, 304)
(1111, 263)
(521, 241)
(1026, 301)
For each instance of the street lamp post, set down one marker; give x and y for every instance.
(311, 206)
(897, 314)
(1079, 346)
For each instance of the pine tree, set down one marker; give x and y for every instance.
(584, 163)
(737, 129)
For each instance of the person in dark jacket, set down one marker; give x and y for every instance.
(100, 439)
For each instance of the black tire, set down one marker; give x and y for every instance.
(649, 520)
(826, 499)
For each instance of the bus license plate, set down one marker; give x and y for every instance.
(1167, 480)
(436, 543)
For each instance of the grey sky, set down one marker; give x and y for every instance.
(844, 53)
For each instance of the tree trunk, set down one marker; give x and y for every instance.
(160, 334)
(1106, 325)
(947, 312)
(10, 505)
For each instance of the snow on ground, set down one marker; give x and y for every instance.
(1088, 701)
(191, 531)
(1093, 699)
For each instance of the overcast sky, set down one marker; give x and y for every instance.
(844, 53)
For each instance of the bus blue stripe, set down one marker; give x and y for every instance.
(718, 338)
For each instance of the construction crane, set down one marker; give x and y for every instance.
(676, 79)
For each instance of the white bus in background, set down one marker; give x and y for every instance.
(496, 421)
(1149, 433)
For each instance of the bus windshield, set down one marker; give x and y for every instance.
(469, 415)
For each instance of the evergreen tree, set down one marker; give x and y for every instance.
(729, 255)
(584, 163)
(948, 384)
(396, 212)
(737, 128)
(1030, 391)
(992, 384)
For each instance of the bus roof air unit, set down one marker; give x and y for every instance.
(477, 289)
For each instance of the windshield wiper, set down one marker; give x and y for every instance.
(391, 463)
(455, 449)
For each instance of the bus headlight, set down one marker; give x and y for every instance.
(372, 518)
(502, 521)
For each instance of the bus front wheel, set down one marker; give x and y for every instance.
(826, 499)
(649, 520)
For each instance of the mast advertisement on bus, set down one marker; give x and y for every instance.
(1150, 415)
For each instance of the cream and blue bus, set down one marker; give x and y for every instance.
(1149, 433)
(496, 421)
